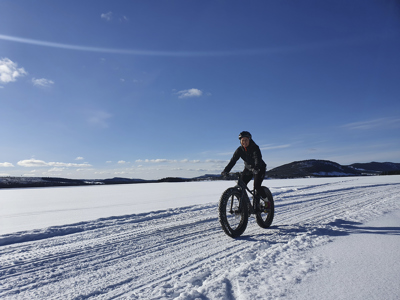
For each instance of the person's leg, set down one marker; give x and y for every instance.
(246, 176)
(258, 179)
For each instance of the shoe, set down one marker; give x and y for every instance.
(267, 204)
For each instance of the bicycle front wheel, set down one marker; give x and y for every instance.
(233, 213)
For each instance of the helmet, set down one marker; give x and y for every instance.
(244, 134)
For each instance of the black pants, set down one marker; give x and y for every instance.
(258, 179)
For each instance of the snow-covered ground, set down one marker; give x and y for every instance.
(332, 238)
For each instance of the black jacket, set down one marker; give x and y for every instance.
(251, 156)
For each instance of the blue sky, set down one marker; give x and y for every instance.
(150, 89)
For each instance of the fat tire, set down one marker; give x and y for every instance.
(264, 219)
(241, 215)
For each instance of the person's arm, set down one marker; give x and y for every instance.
(257, 158)
(233, 161)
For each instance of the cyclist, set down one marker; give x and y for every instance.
(251, 155)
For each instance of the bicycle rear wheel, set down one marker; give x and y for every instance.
(233, 214)
(265, 214)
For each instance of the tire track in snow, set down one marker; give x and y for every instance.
(183, 253)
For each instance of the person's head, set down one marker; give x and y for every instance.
(245, 138)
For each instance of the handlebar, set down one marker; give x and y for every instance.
(235, 175)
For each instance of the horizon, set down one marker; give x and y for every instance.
(203, 175)
(103, 89)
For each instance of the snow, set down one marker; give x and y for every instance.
(332, 238)
(360, 263)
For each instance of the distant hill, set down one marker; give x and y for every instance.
(315, 168)
(17, 182)
(377, 166)
(120, 180)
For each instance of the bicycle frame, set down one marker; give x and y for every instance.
(242, 187)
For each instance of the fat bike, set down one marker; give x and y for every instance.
(235, 207)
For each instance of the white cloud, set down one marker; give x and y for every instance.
(372, 124)
(43, 82)
(110, 16)
(189, 161)
(79, 158)
(158, 160)
(6, 165)
(189, 93)
(9, 71)
(102, 172)
(215, 161)
(99, 119)
(183, 161)
(56, 170)
(29, 163)
(107, 16)
(32, 163)
(162, 160)
(124, 19)
(120, 173)
(121, 162)
(271, 147)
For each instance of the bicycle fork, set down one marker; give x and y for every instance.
(231, 210)
(242, 201)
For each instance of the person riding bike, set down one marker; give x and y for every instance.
(251, 155)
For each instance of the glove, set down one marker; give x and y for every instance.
(256, 170)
